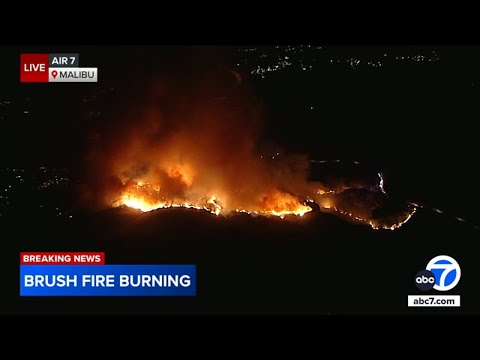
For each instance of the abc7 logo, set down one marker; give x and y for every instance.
(442, 273)
(425, 280)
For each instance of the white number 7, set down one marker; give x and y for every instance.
(447, 269)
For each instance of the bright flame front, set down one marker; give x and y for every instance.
(145, 197)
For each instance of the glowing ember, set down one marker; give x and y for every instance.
(365, 204)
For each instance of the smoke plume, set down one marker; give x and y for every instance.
(193, 143)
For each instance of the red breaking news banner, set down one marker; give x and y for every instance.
(34, 68)
(62, 258)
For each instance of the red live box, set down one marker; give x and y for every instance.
(34, 67)
(62, 258)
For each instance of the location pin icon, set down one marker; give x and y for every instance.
(54, 73)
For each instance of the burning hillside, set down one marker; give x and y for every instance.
(193, 150)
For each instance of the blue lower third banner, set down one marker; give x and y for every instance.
(107, 280)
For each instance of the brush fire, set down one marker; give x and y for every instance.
(191, 151)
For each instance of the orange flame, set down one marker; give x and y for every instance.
(145, 197)
(186, 149)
